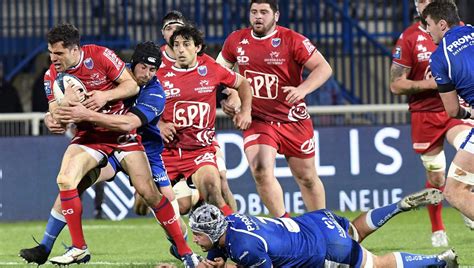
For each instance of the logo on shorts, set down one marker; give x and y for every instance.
(160, 177)
(308, 146)
(127, 138)
(207, 157)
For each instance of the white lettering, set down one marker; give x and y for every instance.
(389, 151)
(366, 199)
(354, 151)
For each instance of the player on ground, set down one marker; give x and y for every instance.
(190, 86)
(92, 143)
(411, 75)
(452, 67)
(309, 240)
(272, 58)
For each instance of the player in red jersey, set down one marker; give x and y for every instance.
(411, 75)
(190, 86)
(272, 58)
(107, 82)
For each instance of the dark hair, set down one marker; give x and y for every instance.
(146, 52)
(189, 32)
(66, 33)
(442, 11)
(273, 3)
(173, 15)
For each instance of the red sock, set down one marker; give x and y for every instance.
(164, 213)
(226, 210)
(435, 212)
(72, 211)
(285, 215)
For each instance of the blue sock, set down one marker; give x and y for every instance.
(379, 216)
(417, 260)
(55, 225)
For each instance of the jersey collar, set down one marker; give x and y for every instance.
(185, 70)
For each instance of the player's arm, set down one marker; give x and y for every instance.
(127, 87)
(77, 112)
(320, 71)
(401, 85)
(220, 59)
(451, 104)
(243, 118)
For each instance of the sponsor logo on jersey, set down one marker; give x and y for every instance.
(420, 38)
(191, 114)
(89, 63)
(276, 42)
(207, 157)
(309, 46)
(170, 74)
(264, 86)
(116, 61)
(206, 136)
(202, 70)
(244, 41)
(274, 59)
(170, 90)
(421, 48)
(461, 43)
(47, 87)
(298, 112)
(241, 58)
(204, 83)
(397, 54)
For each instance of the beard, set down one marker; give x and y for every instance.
(263, 28)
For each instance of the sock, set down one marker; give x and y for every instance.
(226, 210)
(55, 225)
(435, 212)
(408, 260)
(164, 213)
(285, 215)
(72, 210)
(377, 217)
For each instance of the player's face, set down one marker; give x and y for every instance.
(143, 73)
(422, 5)
(202, 240)
(185, 52)
(168, 31)
(262, 19)
(62, 57)
(435, 29)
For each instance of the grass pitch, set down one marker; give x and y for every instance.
(141, 242)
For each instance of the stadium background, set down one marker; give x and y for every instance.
(364, 154)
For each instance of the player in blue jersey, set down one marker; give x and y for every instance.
(144, 115)
(452, 65)
(310, 240)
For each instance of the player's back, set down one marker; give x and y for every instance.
(288, 242)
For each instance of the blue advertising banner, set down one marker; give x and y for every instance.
(361, 168)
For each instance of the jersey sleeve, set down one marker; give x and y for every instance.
(49, 78)
(150, 104)
(228, 48)
(227, 77)
(250, 252)
(401, 53)
(216, 253)
(112, 64)
(302, 48)
(439, 67)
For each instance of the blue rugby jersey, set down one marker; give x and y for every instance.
(452, 63)
(304, 241)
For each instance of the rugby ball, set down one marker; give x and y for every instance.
(62, 81)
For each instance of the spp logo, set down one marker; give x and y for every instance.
(191, 113)
(264, 86)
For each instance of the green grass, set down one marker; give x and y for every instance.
(141, 242)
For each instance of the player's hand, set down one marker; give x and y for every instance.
(53, 126)
(432, 83)
(293, 94)
(140, 207)
(242, 120)
(95, 100)
(75, 112)
(231, 105)
(216, 263)
(72, 93)
(167, 131)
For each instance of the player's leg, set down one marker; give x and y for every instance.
(225, 189)
(311, 186)
(261, 158)
(207, 181)
(446, 258)
(77, 161)
(456, 136)
(370, 221)
(461, 180)
(136, 165)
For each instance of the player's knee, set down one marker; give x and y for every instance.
(184, 205)
(434, 163)
(307, 180)
(65, 182)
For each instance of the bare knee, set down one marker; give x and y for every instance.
(307, 181)
(65, 182)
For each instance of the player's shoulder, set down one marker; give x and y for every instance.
(93, 50)
(238, 35)
(51, 72)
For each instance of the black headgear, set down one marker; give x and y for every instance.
(146, 52)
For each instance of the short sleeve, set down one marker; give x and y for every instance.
(228, 48)
(150, 104)
(302, 48)
(48, 85)
(439, 67)
(402, 52)
(112, 64)
(227, 77)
